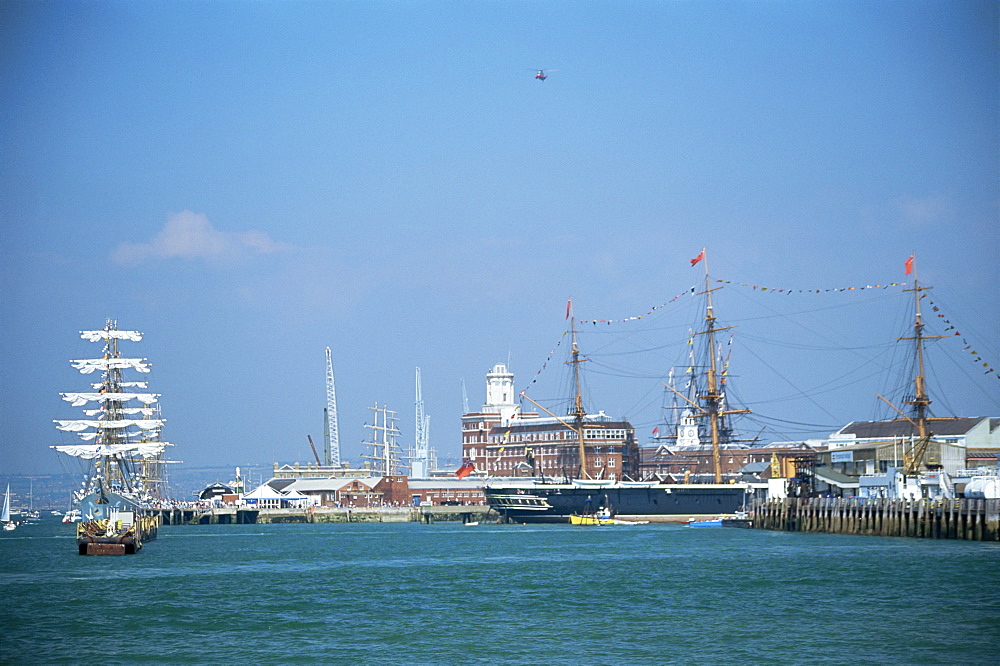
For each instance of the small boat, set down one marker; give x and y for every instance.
(738, 519)
(710, 522)
(8, 524)
(71, 516)
(601, 517)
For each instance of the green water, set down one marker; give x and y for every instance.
(445, 593)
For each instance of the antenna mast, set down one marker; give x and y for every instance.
(332, 437)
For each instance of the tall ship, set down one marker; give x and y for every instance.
(593, 460)
(120, 453)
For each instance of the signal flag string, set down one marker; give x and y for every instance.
(760, 288)
(968, 345)
(755, 287)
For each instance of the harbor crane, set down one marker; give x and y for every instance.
(331, 436)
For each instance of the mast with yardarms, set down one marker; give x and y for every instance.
(712, 400)
(578, 412)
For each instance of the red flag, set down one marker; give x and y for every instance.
(701, 255)
(569, 306)
(909, 265)
(466, 469)
(656, 430)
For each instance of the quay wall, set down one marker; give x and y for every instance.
(967, 519)
(246, 516)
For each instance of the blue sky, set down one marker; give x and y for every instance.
(249, 183)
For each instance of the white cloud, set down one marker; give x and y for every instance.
(189, 235)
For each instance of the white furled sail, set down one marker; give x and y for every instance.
(80, 399)
(145, 411)
(89, 365)
(80, 425)
(124, 385)
(110, 334)
(91, 451)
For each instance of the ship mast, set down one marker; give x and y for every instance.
(578, 412)
(713, 398)
(921, 401)
(385, 453)
(112, 382)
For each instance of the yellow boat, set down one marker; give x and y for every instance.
(602, 517)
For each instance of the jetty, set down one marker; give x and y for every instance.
(232, 515)
(966, 519)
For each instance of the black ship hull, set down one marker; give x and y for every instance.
(540, 502)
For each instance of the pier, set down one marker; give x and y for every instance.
(249, 516)
(966, 519)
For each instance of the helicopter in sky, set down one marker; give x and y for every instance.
(542, 74)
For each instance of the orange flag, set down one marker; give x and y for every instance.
(909, 265)
(701, 255)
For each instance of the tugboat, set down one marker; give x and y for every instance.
(124, 435)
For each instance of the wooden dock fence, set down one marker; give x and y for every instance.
(968, 519)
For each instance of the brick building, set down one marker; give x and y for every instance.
(501, 440)
(680, 463)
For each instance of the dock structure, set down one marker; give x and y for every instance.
(966, 519)
(248, 516)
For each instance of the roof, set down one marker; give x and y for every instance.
(264, 492)
(984, 454)
(543, 424)
(319, 485)
(215, 490)
(754, 467)
(960, 425)
(472, 483)
(835, 478)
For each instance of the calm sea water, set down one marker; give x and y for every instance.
(445, 593)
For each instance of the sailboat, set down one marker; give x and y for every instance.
(543, 499)
(121, 436)
(8, 524)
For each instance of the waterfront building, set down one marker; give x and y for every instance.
(502, 440)
(954, 440)
(393, 490)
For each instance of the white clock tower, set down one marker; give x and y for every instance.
(500, 393)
